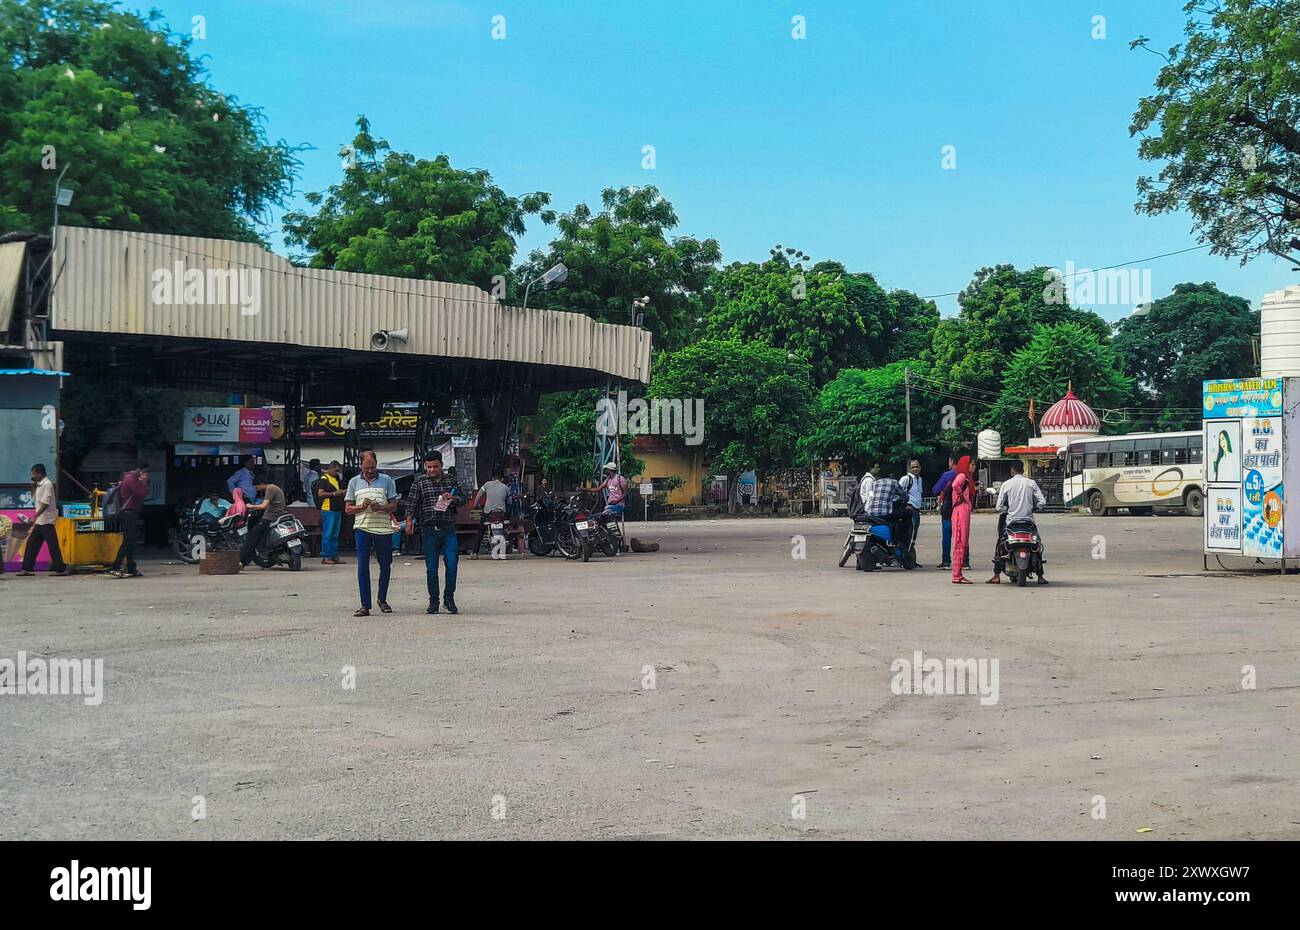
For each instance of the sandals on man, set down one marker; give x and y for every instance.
(383, 605)
(362, 612)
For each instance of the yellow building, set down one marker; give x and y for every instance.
(663, 462)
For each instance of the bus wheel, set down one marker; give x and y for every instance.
(1096, 504)
(1194, 502)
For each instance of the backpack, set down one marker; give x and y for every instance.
(945, 502)
(112, 502)
(856, 504)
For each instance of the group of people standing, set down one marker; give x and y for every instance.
(1018, 498)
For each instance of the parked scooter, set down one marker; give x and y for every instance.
(283, 545)
(1023, 550)
(875, 545)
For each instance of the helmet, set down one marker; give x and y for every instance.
(611, 466)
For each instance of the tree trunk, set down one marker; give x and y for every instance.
(732, 482)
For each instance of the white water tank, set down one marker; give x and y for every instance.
(989, 444)
(1279, 333)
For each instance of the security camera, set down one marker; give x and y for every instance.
(381, 339)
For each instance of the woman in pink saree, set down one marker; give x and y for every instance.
(963, 498)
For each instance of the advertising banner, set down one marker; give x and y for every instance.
(1245, 456)
(396, 421)
(1235, 399)
(1261, 487)
(255, 424)
(327, 422)
(211, 424)
(227, 424)
(1223, 518)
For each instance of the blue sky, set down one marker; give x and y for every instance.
(833, 143)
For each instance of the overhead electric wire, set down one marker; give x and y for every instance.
(1091, 270)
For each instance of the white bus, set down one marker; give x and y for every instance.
(1137, 471)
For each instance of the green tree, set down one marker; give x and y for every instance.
(1059, 356)
(802, 310)
(122, 103)
(860, 418)
(757, 400)
(1196, 333)
(621, 254)
(565, 450)
(832, 318)
(1000, 311)
(1225, 125)
(395, 214)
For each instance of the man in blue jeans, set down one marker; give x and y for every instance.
(431, 502)
(371, 500)
(328, 493)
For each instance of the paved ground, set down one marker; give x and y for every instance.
(772, 679)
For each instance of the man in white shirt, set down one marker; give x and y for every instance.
(912, 484)
(43, 532)
(1018, 498)
(372, 500)
(864, 486)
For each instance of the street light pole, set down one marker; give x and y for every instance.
(907, 383)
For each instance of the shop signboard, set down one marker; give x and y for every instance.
(227, 424)
(327, 422)
(396, 421)
(1248, 439)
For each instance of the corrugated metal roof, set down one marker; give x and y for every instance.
(11, 265)
(112, 281)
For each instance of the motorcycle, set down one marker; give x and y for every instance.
(1023, 550)
(498, 538)
(198, 534)
(283, 544)
(874, 545)
(541, 525)
(577, 532)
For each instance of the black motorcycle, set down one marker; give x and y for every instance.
(199, 534)
(541, 524)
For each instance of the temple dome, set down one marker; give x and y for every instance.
(1069, 415)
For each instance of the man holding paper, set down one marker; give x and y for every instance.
(432, 501)
(372, 500)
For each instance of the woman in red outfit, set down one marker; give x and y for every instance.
(963, 498)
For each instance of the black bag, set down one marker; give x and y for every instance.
(945, 502)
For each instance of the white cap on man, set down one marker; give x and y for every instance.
(611, 466)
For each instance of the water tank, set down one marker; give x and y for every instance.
(1279, 333)
(989, 444)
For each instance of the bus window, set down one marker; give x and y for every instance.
(1076, 463)
(1096, 460)
(1195, 451)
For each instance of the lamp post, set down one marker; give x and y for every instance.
(553, 275)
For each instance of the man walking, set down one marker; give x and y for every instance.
(911, 483)
(372, 499)
(43, 526)
(327, 493)
(431, 502)
(131, 495)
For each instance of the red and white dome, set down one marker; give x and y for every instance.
(1069, 415)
